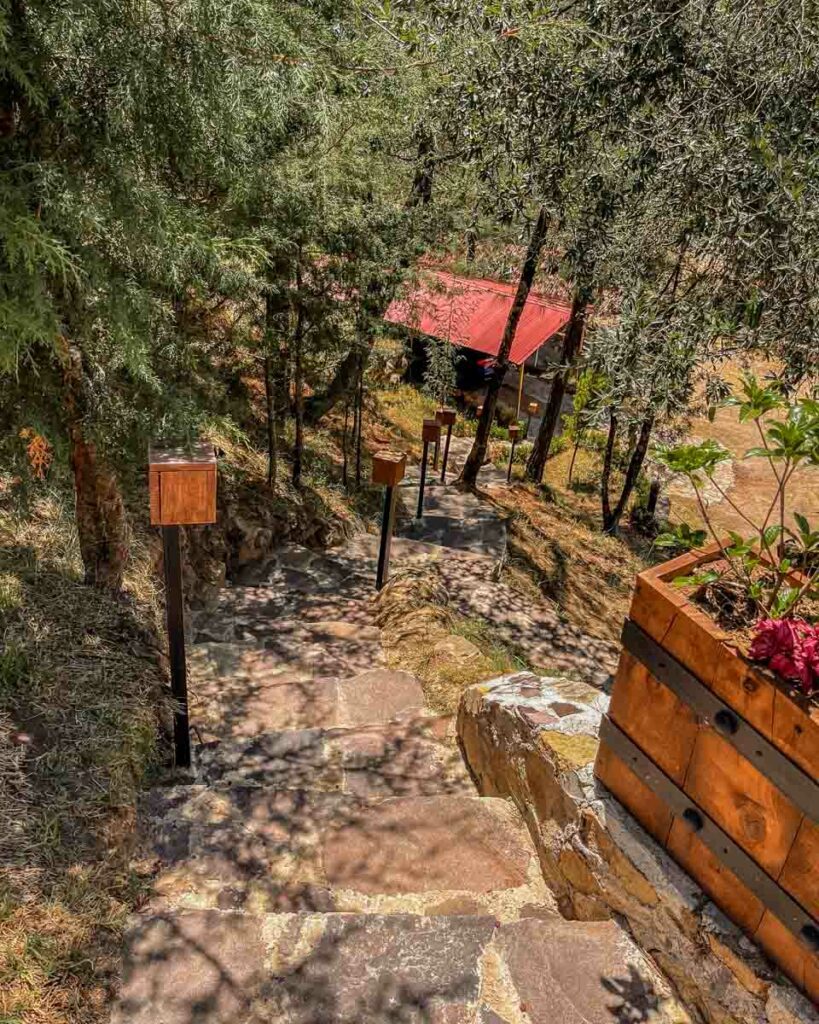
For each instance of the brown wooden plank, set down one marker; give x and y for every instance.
(633, 793)
(812, 978)
(697, 642)
(738, 683)
(796, 732)
(800, 876)
(153, 494)
(721, 884)
(742, 801)
(662, 725)
(654, 606)
(188, 497)
(200, 455)
(783, 948)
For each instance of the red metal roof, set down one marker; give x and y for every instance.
(473, 313)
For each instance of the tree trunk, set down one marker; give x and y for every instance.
(607, 461)
(272, 447)
(469, 474)
(421, 191)
(360, 400)
(653, 497)
(344, 478)
(571, 464)
(378, 296)
(551, 414)
(612, 521)
(102, 526)
(471, 245)
(298, 399)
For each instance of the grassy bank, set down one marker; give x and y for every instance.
(80, 700)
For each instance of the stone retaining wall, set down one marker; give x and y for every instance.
(535, 740)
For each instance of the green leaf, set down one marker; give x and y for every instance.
(771, 535)
(691, 459)
(699, 579)
(785, 600)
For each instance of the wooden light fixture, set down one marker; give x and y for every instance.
(182, 484)
(182, 492)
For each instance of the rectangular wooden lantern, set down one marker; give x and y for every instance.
(446, 417)
(718, 759)
(389, 468)
(182, 482)
(431, 430)
(514, 432)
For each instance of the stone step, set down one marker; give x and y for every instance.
(239, 690)
(216, 967)
(285, 850)
(406, 551)
(410, 754)
(486, 538)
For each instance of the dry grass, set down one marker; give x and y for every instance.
(80, 695)
(447, 652)
(556, 549)
(402, 411)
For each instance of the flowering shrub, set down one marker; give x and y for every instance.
(791, 648)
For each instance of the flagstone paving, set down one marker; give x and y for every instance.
(331, 862)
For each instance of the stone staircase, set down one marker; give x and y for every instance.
(331, 863)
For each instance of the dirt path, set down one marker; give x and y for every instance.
(748, 483)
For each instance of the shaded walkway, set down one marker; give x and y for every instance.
(331, 863)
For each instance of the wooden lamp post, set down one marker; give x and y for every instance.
(182, 485)
(388, 469)
(514, 434)
(532, 409)
(430, 434)
(446, 417)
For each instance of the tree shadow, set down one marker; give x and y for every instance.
(638, 1002)
(335, 970)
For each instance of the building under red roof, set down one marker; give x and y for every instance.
(473, 313)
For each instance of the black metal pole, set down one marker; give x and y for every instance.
(175, 613)
(419, 514)
(511, 459)
(387, 520)
(436, 452)
(446, 452)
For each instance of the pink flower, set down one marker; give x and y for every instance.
(791, 648)
(773, 636)
(806, 660)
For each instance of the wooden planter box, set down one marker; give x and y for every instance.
(718, 760)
